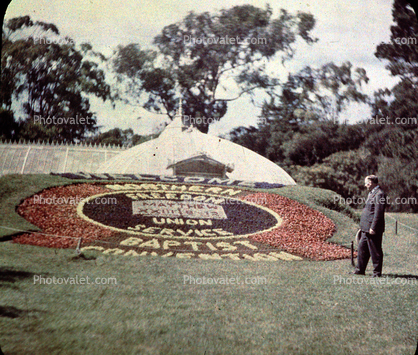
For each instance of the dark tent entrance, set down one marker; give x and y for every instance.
(200, 165)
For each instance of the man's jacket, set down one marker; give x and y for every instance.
(373, 215)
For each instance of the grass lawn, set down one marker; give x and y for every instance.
(299, 307)
(409, 219)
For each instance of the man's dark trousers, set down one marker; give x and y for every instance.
(370, 245)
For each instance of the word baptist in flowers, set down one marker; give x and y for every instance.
(194, 245)
(236, 250)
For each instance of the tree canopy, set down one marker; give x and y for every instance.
(205, 52)
(117, 136)
(389, 141)
(53, 78)
(211, 59)
(298, 126)
(306, 101)
(402, 54)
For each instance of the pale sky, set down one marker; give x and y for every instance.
(347, 31)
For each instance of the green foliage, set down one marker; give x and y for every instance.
(402, 51)
(316, 94)
(298, 124)
(341, 172)
(397, 105)
(298, 127)
(203, 51)
(119, 137)
(52, 77)
(319, 140)
(8, 126)
(344, 173)
(394, 142)
(252, 138)
(402, 54)
(401, 178)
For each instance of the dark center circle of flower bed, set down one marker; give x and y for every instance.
(238, 217)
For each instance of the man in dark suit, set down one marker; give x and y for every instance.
(372, 225)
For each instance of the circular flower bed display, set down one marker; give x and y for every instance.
(179, 215)
(179, 220)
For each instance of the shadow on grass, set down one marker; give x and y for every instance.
(12, 312)
(10, 275)
(81, 256)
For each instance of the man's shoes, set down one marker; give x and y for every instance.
(376, 275)
(357, 273)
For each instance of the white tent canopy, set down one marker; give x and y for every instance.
(178, 143)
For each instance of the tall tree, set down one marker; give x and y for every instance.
(306, 98)
(51, 76)
(391, 148)
(395, 140)
(402, 54)
(207, 51)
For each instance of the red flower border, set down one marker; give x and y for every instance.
(61, 226)
(304, 231)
